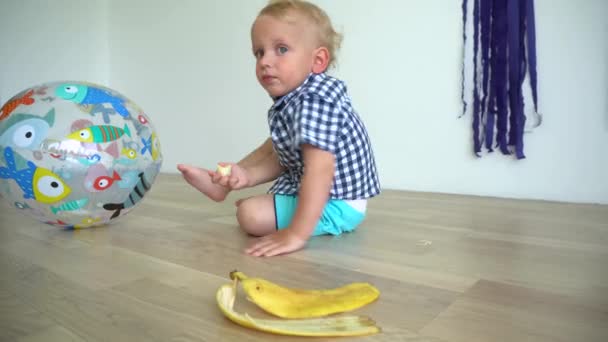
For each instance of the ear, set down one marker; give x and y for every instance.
(320, 60)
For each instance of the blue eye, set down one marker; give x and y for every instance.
(282, 50)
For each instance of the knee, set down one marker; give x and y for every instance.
(252, 217)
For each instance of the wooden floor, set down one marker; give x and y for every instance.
(449, 268)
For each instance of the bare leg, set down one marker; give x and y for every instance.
(256, 215)
(241, 200)
(200, 179)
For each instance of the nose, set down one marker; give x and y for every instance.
(265, 61)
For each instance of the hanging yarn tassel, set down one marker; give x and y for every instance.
(504, 51)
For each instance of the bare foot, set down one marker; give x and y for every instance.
(200, 179)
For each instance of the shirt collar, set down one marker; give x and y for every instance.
(281, 101)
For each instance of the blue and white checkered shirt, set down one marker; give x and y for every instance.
(319, 113)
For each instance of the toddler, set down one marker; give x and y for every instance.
(318, 153)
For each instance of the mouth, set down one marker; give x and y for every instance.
(268, 79)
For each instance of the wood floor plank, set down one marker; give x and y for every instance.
(202, 305)
(461, 253)
(537, 218)
(17, 318)
(201, 252)
(92, 269)
(53, 334)
(103, 315)
(449, 268)
(498, 312)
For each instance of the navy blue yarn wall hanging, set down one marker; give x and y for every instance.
(504, 52)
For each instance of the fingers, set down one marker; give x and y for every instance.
(224, 181)
(274, 244)
(257, 246)
(231, 182)
(215, 177)
(276, 250)
(236, 183)
(265, 246)
(219, 179)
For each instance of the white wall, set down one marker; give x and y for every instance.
(188, 64)
(43, 41)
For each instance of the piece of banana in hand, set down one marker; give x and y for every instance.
(224, 170)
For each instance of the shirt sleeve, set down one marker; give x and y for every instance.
(318, 122)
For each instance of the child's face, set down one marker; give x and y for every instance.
(284, 52)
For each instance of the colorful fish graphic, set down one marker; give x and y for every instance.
(104, 182)
(11, 105)
(37, 183)
(99, 134)
(82, 124)
(26, 131)
(129, 153)
(98, 178)
(85, 95)
(70, 206)
(136, 195)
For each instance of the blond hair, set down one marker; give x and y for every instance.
(328, 37)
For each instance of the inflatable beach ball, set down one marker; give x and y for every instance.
(76, 154)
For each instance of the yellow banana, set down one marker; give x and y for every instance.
(298, 303)
(321, 327)
(224, 170)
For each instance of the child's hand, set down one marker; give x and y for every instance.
(282, 242)
(237, 179)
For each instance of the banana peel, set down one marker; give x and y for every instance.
(287, 302)
(313, 327)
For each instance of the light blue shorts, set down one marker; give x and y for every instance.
(338, 217)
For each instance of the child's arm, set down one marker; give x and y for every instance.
(258, 154)
(313, 195)
(262, 165)
(258, 167)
